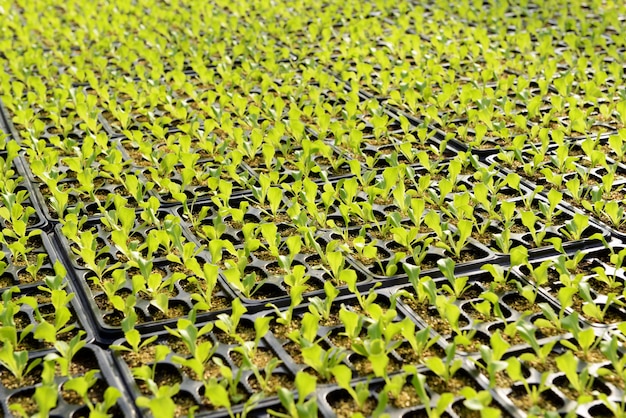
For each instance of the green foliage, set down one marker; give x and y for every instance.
(317, 133)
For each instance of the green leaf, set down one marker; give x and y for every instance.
(217, 394)
(45, 331)
(305, 384)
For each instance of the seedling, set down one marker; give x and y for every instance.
(457, 285)
(81, 386)
(46, 395)
(306, 404)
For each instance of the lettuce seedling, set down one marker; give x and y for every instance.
(457, 285)
(360, 393)
(46, 395)
(17, 362)
(322, 308)
(66, 352)
(229, 323)
(593, 309)
(132, 336)
(447, 367)
(580, 380)
(443, 402)
(542, 351)
(453, 241)
(161, 403)
(421, 340)
(302, 407)
(492, 357)
(323, 361)
(81, 386)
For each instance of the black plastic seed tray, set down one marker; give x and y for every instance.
(110, 276)
(191, 386)
(87, 359)
(588, 186)
(598, 276)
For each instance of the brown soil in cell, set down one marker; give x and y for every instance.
(244, 332)
(6, 280)
(137, 157)
(312, 286)
(333, 318)
(179, 268)
(521, 304)
(21, 320)
(502, 380)
(549, 364)
(31, 259)
(364, 367)
(260, 359)
(95, 394)
(410, 356)
(568, 391)
(289, 231)
(382, 140)
(29, 343)
(454, 385)
(71, 397)
(428, 264)
(482, 238)
(406, 398)
(10, 382)
(464, 412)
(384, 200)
(211, 369)
(275, 382)
(339, 171)
(432, 319)
(279, 218)
(345, 408)
(104, 304)
(276, 270)
(163, 377)
(593, 356)
(363, 260)
(27, 401)
(42, 299)
(220, 303)
(615, 380)
(474, 314)
(184, 403)
(466, 256)
(611, 316)
(340, 341)
(173, 312)
(282, 331)
(474, 344)
(294, 352)
(618, 195)
(265, 255)
(82, 362)
(101, 195)
(548, 331)
(518, 229)
(114, 319)
(607, 220)
(25, 278)
(145, 356)
(256, 162)
(471, 293)
(353, 221)
(177, 345)
(602, 287)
